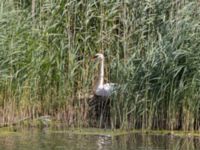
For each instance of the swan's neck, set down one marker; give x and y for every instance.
(101, 74)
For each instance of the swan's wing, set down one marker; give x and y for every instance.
(105, 90)
(109, 86)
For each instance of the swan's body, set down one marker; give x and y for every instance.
(105, 90)
(101, 89)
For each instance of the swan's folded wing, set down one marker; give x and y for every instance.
(106, 90)
(109, 86)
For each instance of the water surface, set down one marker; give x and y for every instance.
(48, 140)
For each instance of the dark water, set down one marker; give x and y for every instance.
(40, 140)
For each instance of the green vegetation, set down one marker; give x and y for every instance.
(7, 131)
(152, 48)
(118, 132)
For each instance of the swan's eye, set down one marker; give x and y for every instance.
(95, 56)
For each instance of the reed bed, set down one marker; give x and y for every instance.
(151, 49)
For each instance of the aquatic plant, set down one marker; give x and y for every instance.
(150, 47)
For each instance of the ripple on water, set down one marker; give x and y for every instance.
(33, 140)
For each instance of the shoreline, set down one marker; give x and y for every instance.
(12, 130)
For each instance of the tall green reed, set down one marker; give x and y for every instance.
(151, 50)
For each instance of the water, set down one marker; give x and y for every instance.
(40, 140)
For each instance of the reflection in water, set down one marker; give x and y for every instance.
(156, 142)
(33, 140)
(103, 141)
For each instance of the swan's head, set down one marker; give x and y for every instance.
(99, 56)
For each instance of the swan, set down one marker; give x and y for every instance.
(101, 89)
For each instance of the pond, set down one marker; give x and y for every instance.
(62, 140)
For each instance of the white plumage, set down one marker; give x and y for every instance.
(105, 90)
(101, 89)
